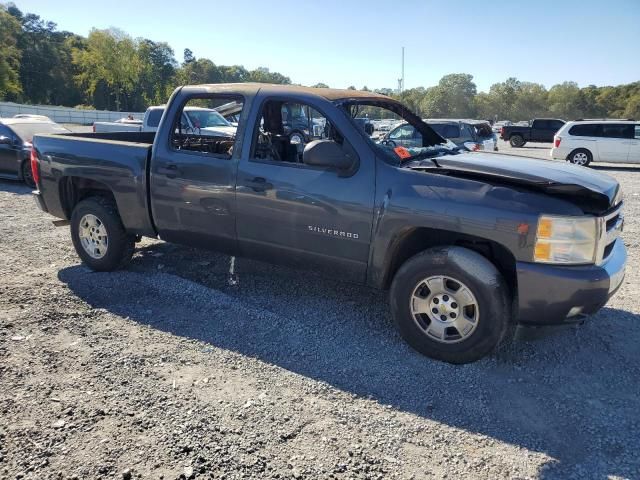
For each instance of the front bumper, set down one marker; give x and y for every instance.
(551, 294)
(37, 196)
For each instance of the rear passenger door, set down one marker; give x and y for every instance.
(615, 141)
(193, 174)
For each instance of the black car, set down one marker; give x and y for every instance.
(16, 135)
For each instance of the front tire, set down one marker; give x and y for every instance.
(581, 156)
(100, 239)
(451, 304)
(517, 141)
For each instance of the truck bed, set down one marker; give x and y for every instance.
(118, 161)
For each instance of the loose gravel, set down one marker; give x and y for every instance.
(166, 371)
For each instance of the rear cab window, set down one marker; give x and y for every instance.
(198, 128)
(153, 120)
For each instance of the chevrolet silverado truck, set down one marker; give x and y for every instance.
(467, 244)
(539, 130)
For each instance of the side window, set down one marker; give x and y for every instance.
(5, 132)
(617, 130)
(585, 130)
(556, 124)
(200, 128)
(285, 128)
(397, 133)
(637, 132)
(541, 124)
(467, 132)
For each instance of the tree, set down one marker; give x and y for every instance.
(567, 101)
(10, 85)
(452, 97)
(321, 85)
(158, 72)
(111, 56)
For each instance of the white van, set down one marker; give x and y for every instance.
(585, 141)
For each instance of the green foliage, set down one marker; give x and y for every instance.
(9, 55)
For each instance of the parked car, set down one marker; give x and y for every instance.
(585, 141)
(467, 243)
(472, 135)
(16, 135)
(539, 130)
(496, 127)
(33, 116)
(207, 120)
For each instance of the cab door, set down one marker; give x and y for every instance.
(299, 215)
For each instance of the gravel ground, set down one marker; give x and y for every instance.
(164, 371)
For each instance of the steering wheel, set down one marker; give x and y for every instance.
(388, 143)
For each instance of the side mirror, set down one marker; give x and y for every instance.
(326, 153)
(5, 140)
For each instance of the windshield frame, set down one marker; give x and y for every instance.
(433, 139)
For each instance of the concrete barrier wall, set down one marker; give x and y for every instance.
(65, 114)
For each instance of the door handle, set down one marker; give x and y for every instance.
(171, 170)
(258, 184)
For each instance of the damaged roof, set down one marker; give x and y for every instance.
(252, 89)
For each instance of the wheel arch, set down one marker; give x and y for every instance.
(74, 189)
(415, 240)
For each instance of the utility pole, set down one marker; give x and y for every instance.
(402, 90)
(401, 79)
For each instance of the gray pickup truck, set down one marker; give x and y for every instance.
(467, 244)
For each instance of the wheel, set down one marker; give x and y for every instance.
(27, 174)
(580, 156)
(98, 235)
(451, 304)
(516, 141)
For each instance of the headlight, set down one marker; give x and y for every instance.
(566, 240)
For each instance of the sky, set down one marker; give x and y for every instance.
(353, 42)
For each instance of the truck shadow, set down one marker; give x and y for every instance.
(558, 394)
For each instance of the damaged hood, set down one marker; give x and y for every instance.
(594, 191)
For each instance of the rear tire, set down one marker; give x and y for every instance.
(100, 239)
(580, 156)
(517, 141)
(27, 174)
(473, 308)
